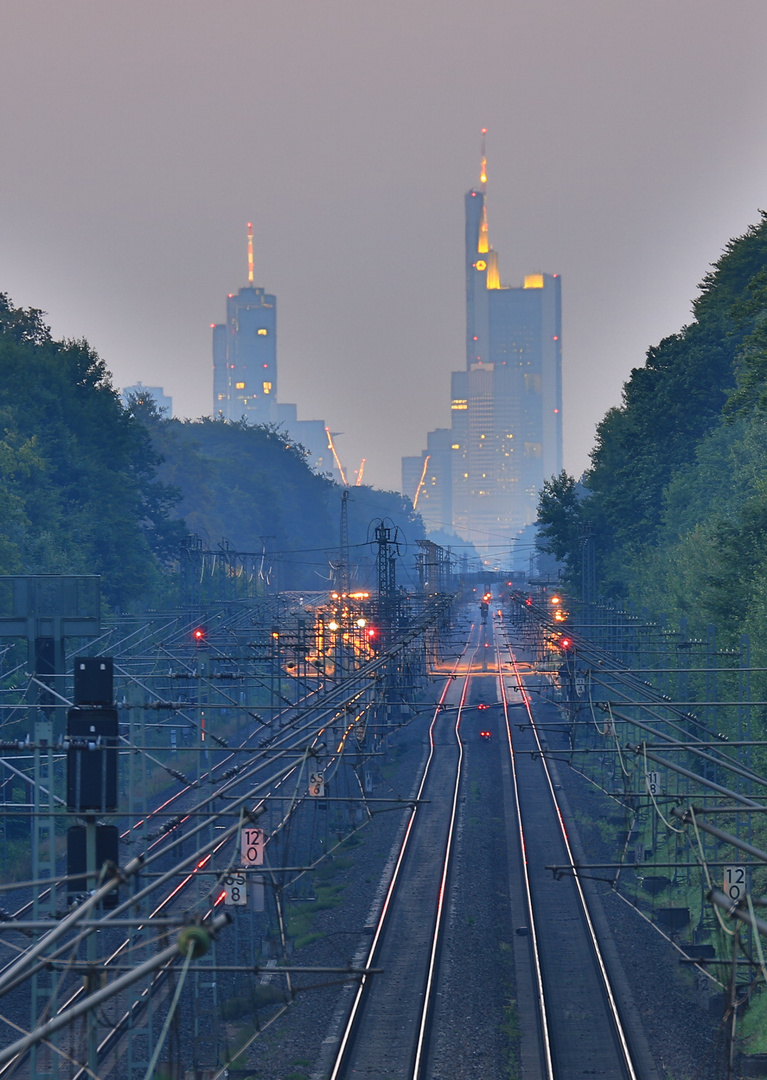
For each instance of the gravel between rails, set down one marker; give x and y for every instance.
(676, 1009)
(292, 1046)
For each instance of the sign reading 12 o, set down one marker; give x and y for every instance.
(252, 847)
(734, 882)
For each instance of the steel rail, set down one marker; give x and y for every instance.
(613, 1007)
(340, 696)
(386, 908)
(540, 991)
(419, 1059)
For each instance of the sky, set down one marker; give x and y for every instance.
(627, 142)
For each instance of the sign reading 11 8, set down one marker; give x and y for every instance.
(252, 847)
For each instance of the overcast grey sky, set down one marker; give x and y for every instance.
(627, 143)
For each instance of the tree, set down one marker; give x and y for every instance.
(87, 496)
(560, 519)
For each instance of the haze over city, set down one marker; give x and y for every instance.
(626, 145)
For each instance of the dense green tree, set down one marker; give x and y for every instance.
(646, 483)
(560, 520)
(80, 469)
(251, 486)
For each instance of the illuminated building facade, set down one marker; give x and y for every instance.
(506, 407)
(245, 370)
(245, 354)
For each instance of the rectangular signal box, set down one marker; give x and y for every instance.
(92, 762)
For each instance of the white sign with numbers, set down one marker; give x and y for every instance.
(317, 785)
(236, 890)
(734, 882)
(652, 780)
(252, 846)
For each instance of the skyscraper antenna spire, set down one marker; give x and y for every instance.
(250, 253)
(483, 166)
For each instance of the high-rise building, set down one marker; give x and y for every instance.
(506, 407)
(245, 371)
(428, 480)
(245, 354)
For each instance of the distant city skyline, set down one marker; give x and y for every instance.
(628, 145)
(162, 400)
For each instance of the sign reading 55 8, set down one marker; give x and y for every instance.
(235, 890)
(252, 847)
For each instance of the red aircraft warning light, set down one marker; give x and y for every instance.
(199, 634)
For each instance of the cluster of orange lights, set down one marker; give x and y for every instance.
(343, 624)
(560, 615)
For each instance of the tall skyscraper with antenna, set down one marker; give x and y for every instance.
(245, 371)
(245, 354)
(506, 408)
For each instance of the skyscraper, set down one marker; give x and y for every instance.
(245, 371)
(506, 407)
(245, 354)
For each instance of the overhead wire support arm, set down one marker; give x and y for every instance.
(11, 974)
(93, 1001)
(690, 816)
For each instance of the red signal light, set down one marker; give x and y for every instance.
(371, 632)
(199, 634)
(565, 643)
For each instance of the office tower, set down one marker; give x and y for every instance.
(511, 439)
(245, 372)
(427, 479)
(245, 354)
(506, 407)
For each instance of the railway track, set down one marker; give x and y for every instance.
(575, 1028)
(570, 1014)
(299, 730)
(569, 1011)
(388, 1028)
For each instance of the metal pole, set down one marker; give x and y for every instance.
(93, 1001)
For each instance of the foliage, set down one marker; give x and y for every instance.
(560, 520)
(250, 485)
(89, 485)
(676, 493)
(77, 472)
